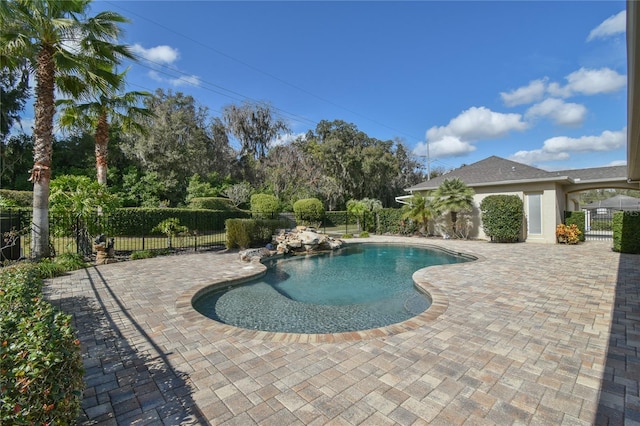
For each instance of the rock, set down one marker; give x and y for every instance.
(256, 253)
(305, 239)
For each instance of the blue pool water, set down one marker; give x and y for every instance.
(356, 288)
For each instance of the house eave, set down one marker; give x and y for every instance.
(500, 183)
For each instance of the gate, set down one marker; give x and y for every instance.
(599, 224)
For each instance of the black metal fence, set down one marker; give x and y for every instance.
(205, 231)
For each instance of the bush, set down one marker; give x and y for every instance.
(41, 373)
(364, 234)
(143, 254)
(575, 218)
(626, 232)
(21, 198)
(211, 203)
(246, 233)
(308, 211)
(502, 218)
(390, 221)
(569, 234)
(264, 205)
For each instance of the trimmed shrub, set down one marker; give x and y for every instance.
(502, 218)
(21, 198)
(308, 211)
(576, 218)
(211, 203)
(139, 221)
(264, 205)
(246, 233)
(41, 372)
(626, 232)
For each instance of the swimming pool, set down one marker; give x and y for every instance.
(359, 287)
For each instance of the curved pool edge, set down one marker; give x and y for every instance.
(439, 304)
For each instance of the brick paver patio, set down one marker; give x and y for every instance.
(528, 334)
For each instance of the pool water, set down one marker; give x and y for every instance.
(356, 288)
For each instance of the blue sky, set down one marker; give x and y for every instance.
(542, 83)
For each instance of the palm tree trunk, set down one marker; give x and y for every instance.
(454, 219)
(43, 135)
(102, 142)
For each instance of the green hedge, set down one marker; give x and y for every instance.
(41, 372)
(211, 203)
(140, 221)
(337, 218)
(308, 211)
(247, 233)
(22, 198)
(390, 221)
(502, 218)
(577, 218)
(626, 232)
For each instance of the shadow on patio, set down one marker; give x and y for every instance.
(122, 383)
(619, 401)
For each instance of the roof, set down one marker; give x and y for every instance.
(495, 170)
(616, 202)
(597, 173)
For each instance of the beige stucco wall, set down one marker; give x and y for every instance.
(552, 205)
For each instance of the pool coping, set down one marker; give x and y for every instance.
(439, 305)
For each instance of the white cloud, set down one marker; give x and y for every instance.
(186, 80)
(606, 141)
(526, 94)
(478, 123)
(617, 163)
(538, 156)
(448, 146)
(589, 82)
(286, 139)
(558, 148)
(616, 24)
(562, 113)
(162, 54)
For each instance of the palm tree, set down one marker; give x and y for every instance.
(59, 42)
(101, 112)
(420, 211)
(453, 196)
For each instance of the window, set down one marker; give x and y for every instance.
(534, 214)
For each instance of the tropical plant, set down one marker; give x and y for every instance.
(101, 111)
(356, 208)
(68, 51)
(453, 196)
(420, 211)
(76, 200)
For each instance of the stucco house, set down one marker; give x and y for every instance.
(546, 195)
